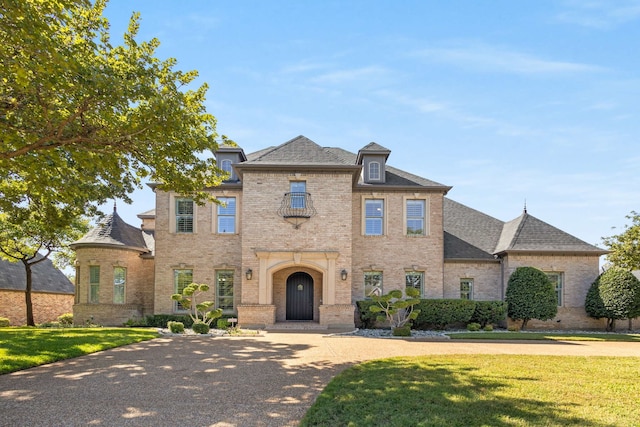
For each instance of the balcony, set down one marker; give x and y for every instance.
(296, 206)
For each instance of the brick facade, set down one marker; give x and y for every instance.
(46, 306)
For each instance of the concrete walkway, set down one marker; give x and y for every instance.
(269, 380)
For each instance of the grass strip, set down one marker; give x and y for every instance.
(22, 348)
(544, 336)
(486, 390)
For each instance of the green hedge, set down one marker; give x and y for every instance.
(367, 318)
(489, 312)
(438, 313)
(161, 320)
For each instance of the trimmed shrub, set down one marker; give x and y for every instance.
(136, 322)
(66, 319)
(488, 328)
(175, 327)
(366, 316)
(4, 322)
(223, 324)
(200, 327)
(402, 331)
(162, 320)
(530, 295)
(614, 295)
(473, 327)
(439, 313)
(489, 312)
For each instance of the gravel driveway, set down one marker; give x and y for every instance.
(268, 380)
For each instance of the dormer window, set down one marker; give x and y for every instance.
(225, 165)
(374, 171)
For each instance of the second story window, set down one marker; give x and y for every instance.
(374, 217)
(415, 218)
(227, 215)
(184, 216)
(298, 190)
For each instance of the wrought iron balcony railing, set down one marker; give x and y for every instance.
(297, 205)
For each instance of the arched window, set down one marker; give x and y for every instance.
(374, 171)
(225, 165)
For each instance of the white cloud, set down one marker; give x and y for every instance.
(600, 14)
(492, 58)
(350, 75)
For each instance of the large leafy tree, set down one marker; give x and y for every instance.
(83, 120)
(614, 295)
(530, 295)
(625, 247)
(47, 229)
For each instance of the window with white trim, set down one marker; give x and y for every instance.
(415, 279)
(374, 171)
(374, 217)
(226, 215)
(415, 217)
(94, 284)
(557, 278)
(184, 215)
(224, 290)
(372, 283)
(119, 282)
(181, 279)
(466, 289)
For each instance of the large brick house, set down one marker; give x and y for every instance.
(302, 232)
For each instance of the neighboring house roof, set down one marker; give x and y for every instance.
(45, 277)
(114, 232)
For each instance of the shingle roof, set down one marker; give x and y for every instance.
(45, 277)
(469, 234)
(113, 231)
(297, 151)
(528, 233)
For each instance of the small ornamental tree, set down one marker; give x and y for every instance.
(530, 295)
(397, 311)
(614, 295)
(199, 312)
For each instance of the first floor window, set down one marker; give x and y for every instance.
(224, 290)
(372, 283)
(181, 279)
(466, 288)
(119, 280)
(415, 217)
(557, 279)
(415, 279)
(374, 217)
(77, 283)
(94, 284)
(184, 216)
(227, 215)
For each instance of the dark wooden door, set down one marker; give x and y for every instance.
(300, 297)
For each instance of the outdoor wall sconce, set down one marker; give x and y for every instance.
(343, 274)
(249, 274)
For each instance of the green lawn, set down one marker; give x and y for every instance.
(22, 348)
(557, 336)
(488, 390)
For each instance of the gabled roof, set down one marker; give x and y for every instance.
(529, 234)
(45, 277)
(114, 232)
(372, 148)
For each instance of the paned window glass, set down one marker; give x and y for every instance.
(415, 217)
(374, 217)
(184, 216)
(119, 281)
(94, 284)
(224, 290)
(181, 279)
(227, 215)
(372, 283)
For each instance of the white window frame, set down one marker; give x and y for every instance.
(177, 217)
(221, 214)
(119, 285)
(375, 171)
(222, 276)
(372, 283)
(466, 293)
(381, 218)
(409, 281)
(558, 284)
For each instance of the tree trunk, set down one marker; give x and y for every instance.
(524, 324)
(27, 295)
(611, 325)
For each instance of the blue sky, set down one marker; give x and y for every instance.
(506, 101)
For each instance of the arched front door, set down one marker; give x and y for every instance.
(300, 297)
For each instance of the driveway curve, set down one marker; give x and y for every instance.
(269, 380)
